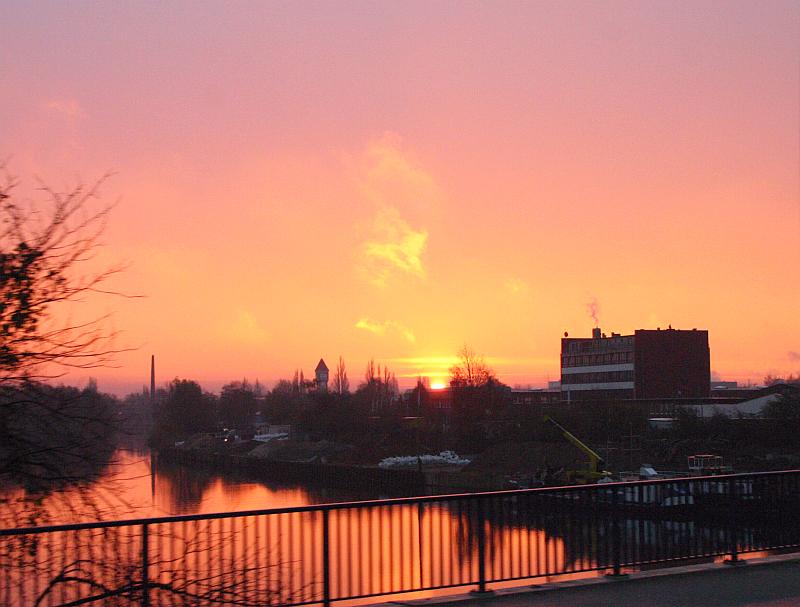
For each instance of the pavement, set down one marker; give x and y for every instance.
(767, 582)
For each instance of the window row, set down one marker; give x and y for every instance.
(599, 377)
(587, 346)
(583, 360)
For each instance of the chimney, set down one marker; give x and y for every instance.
(596, 334)
(152, 378)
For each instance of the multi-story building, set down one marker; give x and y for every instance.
(648, 364)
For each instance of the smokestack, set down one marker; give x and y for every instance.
(596, 333)
(152, 378)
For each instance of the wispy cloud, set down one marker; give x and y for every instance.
(395, 246)
(70, 108)
(388, 176)
(372, 327)
(429, 366)
(387, 326)
(244, 327)
(398, 189)
(516, 286)
(794, 356)
(439, 366)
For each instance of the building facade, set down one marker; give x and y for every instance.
(648, 364)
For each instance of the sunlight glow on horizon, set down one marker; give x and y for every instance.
(394, 181)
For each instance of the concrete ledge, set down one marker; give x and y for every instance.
(519, 593)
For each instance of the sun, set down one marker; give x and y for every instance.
(438, 385)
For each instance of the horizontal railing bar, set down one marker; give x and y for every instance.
(430, 499)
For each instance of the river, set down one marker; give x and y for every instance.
(426, 545)
(137, 485)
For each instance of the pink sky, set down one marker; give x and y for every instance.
(393, 180)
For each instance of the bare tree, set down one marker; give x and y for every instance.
(389, 387)
(369, 372)
(44, 245)
(41, 248)
(772, 380)
(471, 370)
(341, 385)
(379, 388)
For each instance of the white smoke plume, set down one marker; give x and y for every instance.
(593, 309)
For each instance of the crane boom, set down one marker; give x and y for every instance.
(595, 461)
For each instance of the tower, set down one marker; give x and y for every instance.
(321, 373)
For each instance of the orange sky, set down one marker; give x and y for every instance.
(392, 180)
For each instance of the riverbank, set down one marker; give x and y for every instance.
(420, 480)
(404, 481)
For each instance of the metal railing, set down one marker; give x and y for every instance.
(334, 552)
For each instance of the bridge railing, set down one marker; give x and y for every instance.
(335, 552)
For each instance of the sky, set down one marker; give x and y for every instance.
(393, 180)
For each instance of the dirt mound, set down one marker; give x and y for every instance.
(290, 451)
(201, 442)
(528, 458)
(263, 450)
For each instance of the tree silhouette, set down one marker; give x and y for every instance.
(341, 385)
(237, 405)
(379, 390)
(44, 246)
(186, 411)
(471, 370)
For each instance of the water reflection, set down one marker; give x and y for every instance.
(361, 550)
(136, 484)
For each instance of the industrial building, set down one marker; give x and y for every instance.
(650, 364)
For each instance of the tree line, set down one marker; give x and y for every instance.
(183, 408)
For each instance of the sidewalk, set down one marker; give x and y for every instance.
(768, 582)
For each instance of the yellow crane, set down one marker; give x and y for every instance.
(596, 463)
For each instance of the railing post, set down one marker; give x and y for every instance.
(326, 560)
(481, 549)
(145, 566)
(616, 536)
(733, 525)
